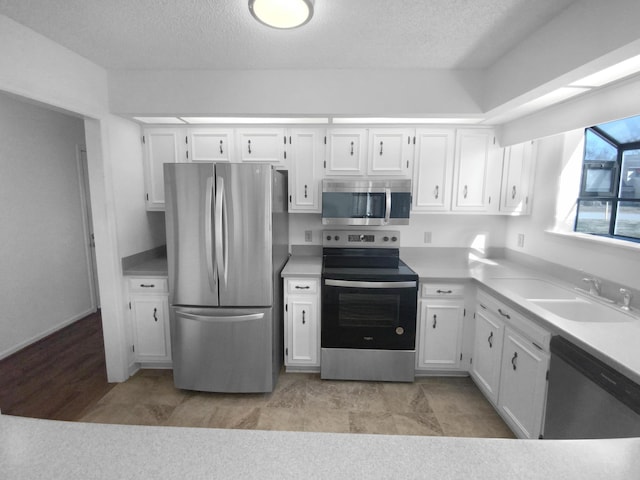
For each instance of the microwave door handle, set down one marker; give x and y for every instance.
(387, 211)
(208, 244)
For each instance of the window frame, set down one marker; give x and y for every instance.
(614, 194)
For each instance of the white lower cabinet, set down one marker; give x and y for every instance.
(302, 323)
(149, 306)
(510, 363)
(440, 324)
(523, 384)
(487, 353)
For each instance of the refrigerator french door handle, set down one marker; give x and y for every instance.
(223, 318)
(225, 246)
(218, 231)
(208, 207)
(387, 211)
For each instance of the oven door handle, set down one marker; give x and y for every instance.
(358, 284)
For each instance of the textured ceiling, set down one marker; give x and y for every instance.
(222, 34)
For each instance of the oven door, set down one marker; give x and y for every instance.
(369, 314)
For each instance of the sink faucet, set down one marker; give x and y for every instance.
(626, 299)
(594, 285)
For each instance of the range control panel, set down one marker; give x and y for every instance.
(361, 238)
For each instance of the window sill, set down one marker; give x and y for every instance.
(594, 239)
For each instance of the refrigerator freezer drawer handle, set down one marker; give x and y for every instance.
(223, 319)
(207, 232)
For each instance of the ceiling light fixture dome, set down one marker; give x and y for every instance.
(282, 14)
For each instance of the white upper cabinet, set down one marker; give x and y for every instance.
(516, 178)
(433, 169)
(476, 173)
(346, 152)
(305, 155)
(211, 145)
(265, 145)
(390, 151)
(161, 145)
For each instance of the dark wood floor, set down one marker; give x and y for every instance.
(58, 377)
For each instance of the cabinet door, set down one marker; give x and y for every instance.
(266, 145)
(210, 145)
(475, 158)
(433, 170)
(440, 338)
(346, 151)
(303, 323)
(150, 328)
(306, 159)
(390, 151)
(161, 145)
(487, 353)
(516, 176)
(523, 385)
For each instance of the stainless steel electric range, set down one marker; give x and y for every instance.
(369, 304)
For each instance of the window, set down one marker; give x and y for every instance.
(609, 201)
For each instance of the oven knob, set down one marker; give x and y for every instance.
(336, 238)
(328, 237)
(394, 239)
(386, 239)
(399, 330)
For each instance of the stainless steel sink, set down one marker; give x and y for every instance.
(582, 310)
(533, 288)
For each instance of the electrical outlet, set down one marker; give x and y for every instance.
(427, 237)
(308, 236)
(521, 240)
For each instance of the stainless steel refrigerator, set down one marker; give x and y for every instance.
(227, 242)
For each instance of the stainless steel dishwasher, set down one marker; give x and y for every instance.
(588, 399)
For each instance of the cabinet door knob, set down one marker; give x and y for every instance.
(221, 150)
(352, 148)
(490, 340)
(465, 191)
(513, 360)
(436, 192)
(155, 314)
(249, 146)
(435, 321)
(513, 192)
(305, 191)
(380, 147)
(303, 319)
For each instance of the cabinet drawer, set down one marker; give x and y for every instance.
(148, 285)
(443, 290)
(302, 285)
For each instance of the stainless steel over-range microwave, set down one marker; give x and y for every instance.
(348, 201)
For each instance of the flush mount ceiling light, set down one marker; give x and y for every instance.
(282, 14)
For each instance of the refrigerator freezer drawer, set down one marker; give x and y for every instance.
(222, 349)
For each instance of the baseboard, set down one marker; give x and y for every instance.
(46, 333)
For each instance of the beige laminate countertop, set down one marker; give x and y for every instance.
(303, 266)
(35, 449)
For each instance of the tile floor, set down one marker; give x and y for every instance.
(448, 406)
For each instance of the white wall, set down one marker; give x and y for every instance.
(556, 186)
(448, 230)
(45, 279)
(138, 230)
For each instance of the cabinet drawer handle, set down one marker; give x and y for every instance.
(298, 287)
(147, 285)
(490, 340)
(436, 192)
(380, 147)
(444, 291)
(513, 360)
(155, 314)
(221, 150)
(434, 321)
(506, 315)
(351, 148)
(303, 320)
